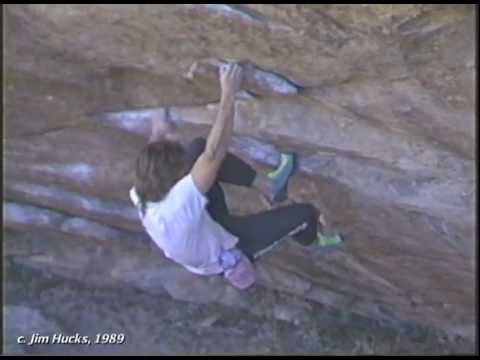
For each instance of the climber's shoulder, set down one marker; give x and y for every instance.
(183, 203)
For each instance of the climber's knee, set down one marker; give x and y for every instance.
(313, 216)
(309, 211)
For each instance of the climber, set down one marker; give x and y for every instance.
(182, 205)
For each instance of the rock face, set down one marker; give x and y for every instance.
(378, 100)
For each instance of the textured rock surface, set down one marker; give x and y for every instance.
(287, 326)
(377, 99)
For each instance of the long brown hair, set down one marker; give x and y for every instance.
(159, 166)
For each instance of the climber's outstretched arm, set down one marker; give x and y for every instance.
(204, 171)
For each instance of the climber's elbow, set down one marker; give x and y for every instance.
(215, 151)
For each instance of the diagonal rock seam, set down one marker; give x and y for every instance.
(388, 183)
(255, 80)
(18, 215)
(113, 213)
(243, 13)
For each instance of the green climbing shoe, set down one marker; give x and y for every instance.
(328, 240)
(280, 177)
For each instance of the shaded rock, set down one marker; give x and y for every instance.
(117, 214)
(25, 321)
(209, 321)
(18, 216)
(157, 324)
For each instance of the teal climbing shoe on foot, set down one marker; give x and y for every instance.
(328, 240)
(281, 175)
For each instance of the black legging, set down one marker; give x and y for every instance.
(256, 232)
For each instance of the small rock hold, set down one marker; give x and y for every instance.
(244, 95)
(285, 313)
(209, 321)
(404, 109)
(212, 106)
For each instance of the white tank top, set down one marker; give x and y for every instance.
(182, 227)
